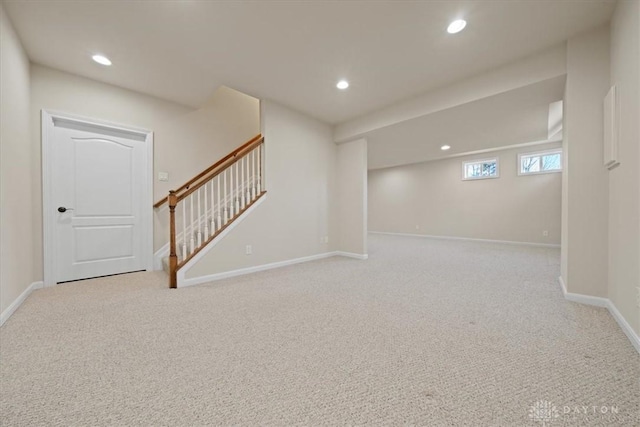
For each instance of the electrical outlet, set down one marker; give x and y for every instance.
(545, 233)
(163, 176)
(326, 239)
(417, 227)
(248, 250)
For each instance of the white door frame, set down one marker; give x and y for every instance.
(48, 207)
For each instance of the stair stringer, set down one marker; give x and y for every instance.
(183, 271)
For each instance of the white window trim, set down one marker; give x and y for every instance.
(475, 178)
(540, 154)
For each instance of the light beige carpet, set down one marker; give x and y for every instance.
(425, 332)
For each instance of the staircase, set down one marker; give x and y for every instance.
(207, 204)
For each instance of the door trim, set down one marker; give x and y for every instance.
(48, 217)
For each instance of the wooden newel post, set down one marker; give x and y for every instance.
(173, 257)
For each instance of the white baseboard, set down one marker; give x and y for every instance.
(587, 299)
(18, 301)
(624, 325)
(507, 242)
(242, 271)
(562, 285)
(158, 255)
(609, 305)
(352, 255)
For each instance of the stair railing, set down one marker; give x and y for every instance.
(208, 203)
(210, 169)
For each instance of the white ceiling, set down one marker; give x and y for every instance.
(294, 52)
(514, 117)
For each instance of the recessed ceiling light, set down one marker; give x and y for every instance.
(102, 60)
(456, 26)
(342, 84)
(445, 147)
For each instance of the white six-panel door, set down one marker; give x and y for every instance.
(98, 198)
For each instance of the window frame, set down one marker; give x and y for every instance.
(539, 154)
(480, 161)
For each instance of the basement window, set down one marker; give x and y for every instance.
(481, 169)
(542, 162)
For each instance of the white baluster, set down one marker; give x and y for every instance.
(259, 168)
(184, 229)
(199, 219)
(236, 198)
(206, 213)
(253, 174)
(213, 221)
(231, 190)
(219, 205)
(191, 239)
(248, 186)
(226, 202)
(242, 183)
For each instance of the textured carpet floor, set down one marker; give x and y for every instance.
(425, 332)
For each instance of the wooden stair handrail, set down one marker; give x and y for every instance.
(211, 168)
(222, 166)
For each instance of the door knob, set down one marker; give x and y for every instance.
(62, 209)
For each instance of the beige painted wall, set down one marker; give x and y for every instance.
(584, 266)
(17, 237)
(300, 175)
(433, 197)
(186, 140)
(624, 181)
(352, 197)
